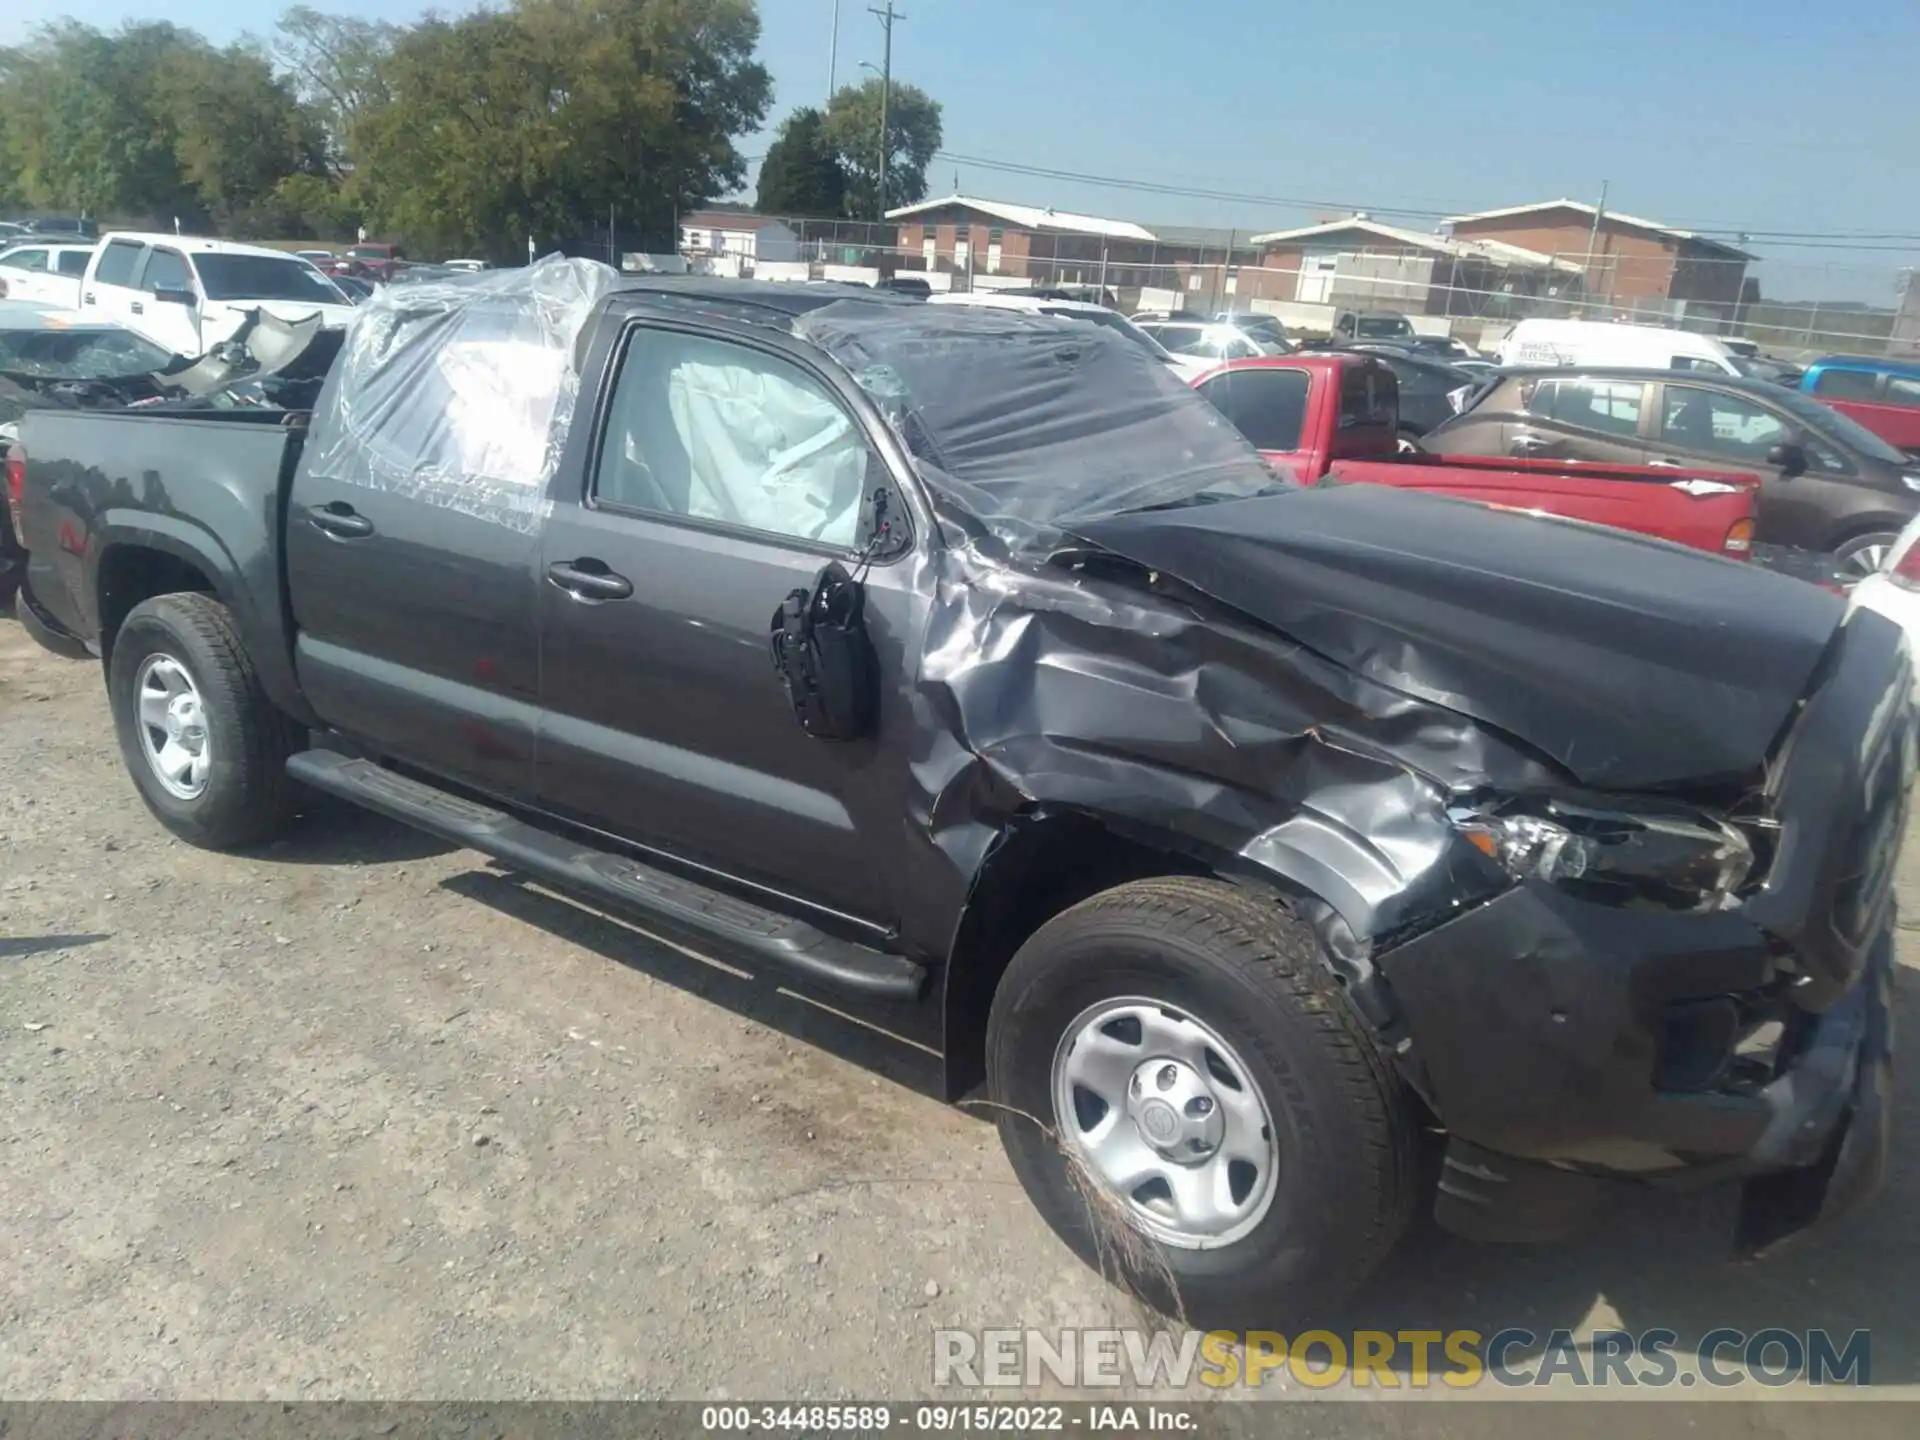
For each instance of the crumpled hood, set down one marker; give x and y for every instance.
(1631, 662)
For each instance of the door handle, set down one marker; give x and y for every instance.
(337, 518)
(87, 298)
(137, 308)
(588, 579)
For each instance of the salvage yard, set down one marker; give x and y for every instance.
(358, 1116)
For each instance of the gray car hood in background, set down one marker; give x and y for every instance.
(1631, 662)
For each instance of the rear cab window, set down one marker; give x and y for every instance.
(1268, 406)
(1903, 390)
(117, 263)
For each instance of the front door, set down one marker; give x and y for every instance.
(1710, 429)
(162, 311)
(728, 472)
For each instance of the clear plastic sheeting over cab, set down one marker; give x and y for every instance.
(458, 392)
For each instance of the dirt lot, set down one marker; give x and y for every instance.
(360, 1117)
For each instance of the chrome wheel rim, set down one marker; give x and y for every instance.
(1166, 1120)
(173, 727)
(1864, 557)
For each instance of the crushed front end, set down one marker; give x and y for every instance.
(1589, 1026)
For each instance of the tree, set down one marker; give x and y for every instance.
(556, 118)
(852, 129)
(338, 67)
(801, 174)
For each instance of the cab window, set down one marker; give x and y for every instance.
(708, 430)
(166, 270)
(1268, 406)
(117, 262)
(1713, 423)
(1609, 409)
(34, 260)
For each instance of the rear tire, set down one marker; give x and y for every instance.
(1234, 979)
(1862, 555)
(212, 767)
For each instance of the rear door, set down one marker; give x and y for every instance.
(110, 292)
(412, 536)
(728, 470)
(1579, 419)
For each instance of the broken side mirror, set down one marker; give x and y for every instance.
(824, 658)
(1790, 457)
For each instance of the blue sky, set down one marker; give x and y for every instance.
(1762, 116)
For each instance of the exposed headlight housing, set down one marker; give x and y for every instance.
(1678, 860)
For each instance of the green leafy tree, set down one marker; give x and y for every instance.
(801, 174)
(852, 129)
(338, 66)
(556, 118)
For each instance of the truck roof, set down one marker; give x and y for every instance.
(194, 244)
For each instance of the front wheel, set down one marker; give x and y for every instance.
(1194, 1107)
(206, 748)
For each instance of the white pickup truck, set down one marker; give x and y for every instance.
(187, 294)
(46, 272)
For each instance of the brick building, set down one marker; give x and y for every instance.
(1361, 262)
(1639, 266)
(966, 234)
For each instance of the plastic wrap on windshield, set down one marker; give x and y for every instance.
(458, 392)
(1032, 425)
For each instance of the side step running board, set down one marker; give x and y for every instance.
(694, 912)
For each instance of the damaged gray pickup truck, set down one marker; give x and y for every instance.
(963, 669)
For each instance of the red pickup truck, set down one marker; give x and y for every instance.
(1337, 417)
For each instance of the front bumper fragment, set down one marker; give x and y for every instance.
(1539, 1027)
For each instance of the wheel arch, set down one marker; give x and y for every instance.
(1048, 859)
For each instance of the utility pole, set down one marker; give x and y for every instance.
(887, 17)
(833, 52)
(1593, 239)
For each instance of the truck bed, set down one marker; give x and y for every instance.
(205, 486)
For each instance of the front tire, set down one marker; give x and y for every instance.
(206, 748)
(1229, 1142)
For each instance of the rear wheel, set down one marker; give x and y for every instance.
(205, 747)
(1863, 555)
(1194, 1107)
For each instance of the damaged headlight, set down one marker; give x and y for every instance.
(1676, 861)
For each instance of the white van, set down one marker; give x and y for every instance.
(1591, 343)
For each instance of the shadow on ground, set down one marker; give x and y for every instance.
(334, 832)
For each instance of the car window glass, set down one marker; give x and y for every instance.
(1902, 390)
(166, 270)
(1267, 406)
(1611, 409)
(1369, 398)
(35, 260)
(1719, 424)
(716, 431)
(73, 262)
(1846, 384)
(116, 263)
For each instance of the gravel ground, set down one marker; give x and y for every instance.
(358, 1116)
